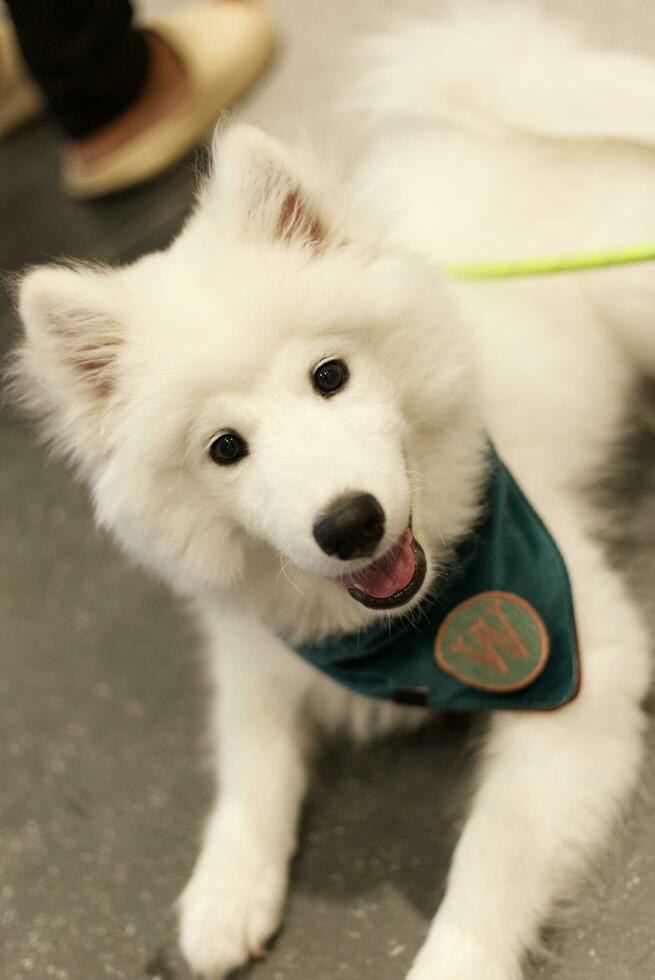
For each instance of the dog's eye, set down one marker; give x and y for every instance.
(329, 377)
(228, 448)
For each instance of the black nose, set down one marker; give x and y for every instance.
(352, 527)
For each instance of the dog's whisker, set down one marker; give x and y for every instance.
(284, 564)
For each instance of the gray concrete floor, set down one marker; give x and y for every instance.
(102, 788)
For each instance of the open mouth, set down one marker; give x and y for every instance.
(392, 580)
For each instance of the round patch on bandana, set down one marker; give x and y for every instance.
(495, 641)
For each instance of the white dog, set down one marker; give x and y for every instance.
(286, 414)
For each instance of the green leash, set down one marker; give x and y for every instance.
(584, 261)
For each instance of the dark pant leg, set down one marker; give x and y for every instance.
(85, 55)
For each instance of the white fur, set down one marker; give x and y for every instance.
(497, 137)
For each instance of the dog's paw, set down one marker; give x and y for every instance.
(229, 910)
(448, 954)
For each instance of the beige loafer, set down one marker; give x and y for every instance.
(223, 45)
(20, 100)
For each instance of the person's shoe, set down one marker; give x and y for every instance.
(20, 100)
(222, 47)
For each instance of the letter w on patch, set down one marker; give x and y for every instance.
(494, 641)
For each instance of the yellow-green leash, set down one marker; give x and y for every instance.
(584, 261)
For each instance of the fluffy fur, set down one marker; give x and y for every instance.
(496, 137)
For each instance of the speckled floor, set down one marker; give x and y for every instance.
(102, 789)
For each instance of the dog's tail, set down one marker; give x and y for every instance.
(509, 67)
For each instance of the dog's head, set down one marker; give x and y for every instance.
(275, 391)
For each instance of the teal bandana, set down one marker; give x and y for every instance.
(497, 632)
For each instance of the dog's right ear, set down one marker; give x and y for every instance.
(257, 192)
(64, 370)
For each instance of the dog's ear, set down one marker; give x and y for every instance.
(65, 368)
(257, 191)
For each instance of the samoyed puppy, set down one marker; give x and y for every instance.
(286, 413)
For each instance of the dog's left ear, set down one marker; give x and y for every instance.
(257, 191)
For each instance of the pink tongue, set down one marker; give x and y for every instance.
(388, 575)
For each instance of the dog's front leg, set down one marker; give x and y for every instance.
(234, 900)
(551, 787)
